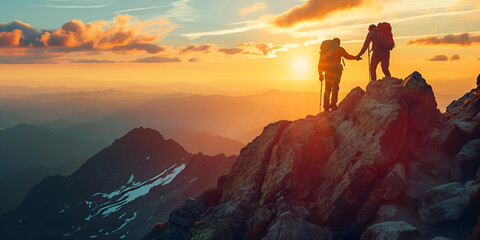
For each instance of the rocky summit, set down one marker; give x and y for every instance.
(386, 165)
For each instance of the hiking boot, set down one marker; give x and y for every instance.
(334, 107)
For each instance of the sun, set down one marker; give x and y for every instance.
(301, 65)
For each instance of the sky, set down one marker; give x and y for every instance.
(235, 45)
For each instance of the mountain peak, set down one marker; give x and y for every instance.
(141, 134)
(344, 174)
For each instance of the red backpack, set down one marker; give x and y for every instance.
(385, 36)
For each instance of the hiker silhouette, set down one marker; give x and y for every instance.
(330, 56)
(382, 43)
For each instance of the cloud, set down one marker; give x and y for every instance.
(230, 51)
(268, 50)
(195, 35)
(254, 8)
(30, 36)
(124, 35)
(140, 9)
(11, 39)
(90, 61)
(181, 11)
(455, 57)
(157, 59)
(139, 47)
(196, 48)
(464, 39)
(30, 56)
(194, 60)
(439, 58)
(311, 10)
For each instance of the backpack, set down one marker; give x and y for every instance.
(385, 36)
(326, 56)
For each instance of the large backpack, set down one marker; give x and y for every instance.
(326, 56)
(385, 36)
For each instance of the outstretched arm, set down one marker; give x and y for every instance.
(368, 39)
(344, 54)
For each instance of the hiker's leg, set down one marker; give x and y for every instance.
(335, 88)
(328, 90)
(373, 66)
(386, 63)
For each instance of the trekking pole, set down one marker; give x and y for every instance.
(369, 70)
(321, 91)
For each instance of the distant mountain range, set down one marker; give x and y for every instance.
(118, 193)
(27, 146)
(28, 154)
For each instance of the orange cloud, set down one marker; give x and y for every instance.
(157, 59)
(29, 36)
(254, 8)
(126, 34)
(196, 48)
(313, 10)
(455, 57)
(230, 51)
(441, 58)
(11, 39)
(464, 39)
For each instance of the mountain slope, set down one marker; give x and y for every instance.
(26, 146)
(386, 165)
(202, 141)
(117, 193)
(16, 185)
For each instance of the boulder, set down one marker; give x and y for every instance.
(287, 226)
(466, 162)
(386, 212)
(394, 230)
(444, 203)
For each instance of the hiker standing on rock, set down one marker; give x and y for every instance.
(381, 38)
(330, 56)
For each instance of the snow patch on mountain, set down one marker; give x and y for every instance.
(133, 190)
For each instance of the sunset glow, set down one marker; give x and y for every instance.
(301, 65)
(108, 44)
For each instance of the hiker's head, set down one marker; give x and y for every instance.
(371, 27)
(337, 41)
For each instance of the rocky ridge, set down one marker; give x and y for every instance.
(386, 165)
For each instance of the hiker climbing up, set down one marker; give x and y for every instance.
(330, 57)
(382, 43)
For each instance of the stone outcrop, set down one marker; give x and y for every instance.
(376, 169)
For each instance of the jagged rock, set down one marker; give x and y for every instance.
(222, 222)
(398, 230)
(185, 216)
(389, 188)
(466, 108)
(444, 203)
(466, 162)
(287, 226)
